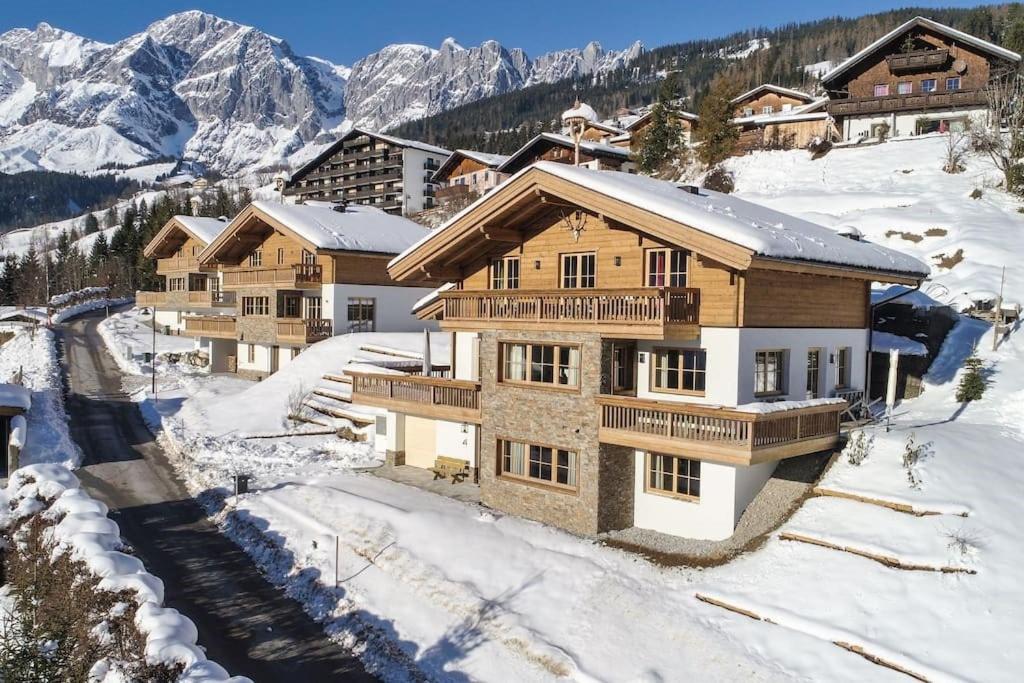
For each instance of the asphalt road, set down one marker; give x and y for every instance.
(245, 624)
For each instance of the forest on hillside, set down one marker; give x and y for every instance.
(33, 197)
(503, 123)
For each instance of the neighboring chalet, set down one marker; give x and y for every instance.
(467, 174)
(629, 352)
(377, 170)
(770, 116)
(634, 135)
(769, 99)
(301, 273)
(921, 77)
(561, 149)
(188, 287)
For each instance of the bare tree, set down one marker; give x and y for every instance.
(1001, 135)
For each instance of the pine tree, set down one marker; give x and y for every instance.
(99, 255)
(972, 383)
(662, 141)
(110, 218)
(718, 135)
(91, 224)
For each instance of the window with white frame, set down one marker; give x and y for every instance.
(666, 267)
(881, 89)
(176, 284)
(679, 370)
(361, 314)
(312, 307)
(843, 355)
(251, 353)
(928, 85)
(579, 271)
(813, 373)
(671, 475)
(505, 273)
(953, 83)
(767, 109)
(769, 372)
(544, 364)
(548, 465)
(256, 258)
(904, 87)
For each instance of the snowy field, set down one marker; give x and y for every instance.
(883, 577)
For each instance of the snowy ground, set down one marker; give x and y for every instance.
(922, 578)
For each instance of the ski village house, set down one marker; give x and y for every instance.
(468, 174)
(377, 170)
(280, 277)
(921, 77)
(629, 352)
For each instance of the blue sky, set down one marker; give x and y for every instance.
(344, 31)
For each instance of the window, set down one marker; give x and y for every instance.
(256, 258)
(505, 273)
(679, 370)
(787, 107)
(748, 111)
(767, 109)
(670, 475)
(904, 88)
(881, 89)
(843, 367)
(769, 372)
(313, 307)
(928, 85)
(667, 267)
(255, 305)
(176, 284)
(280, 256)
(251, 353)
(554, 364)
(545, 464)
(361, 314)
(579, 271)
(813, 373)
(953, 83)
(290, 309)
(308, 257)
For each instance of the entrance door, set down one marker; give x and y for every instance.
(420, 442)
(624, 368)
(275, 358)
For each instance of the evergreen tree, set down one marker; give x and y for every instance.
(30, 287)
(662, 141)
(99, 255)
(718, 135)
(972, 383)
(91, 224)
(110, 218)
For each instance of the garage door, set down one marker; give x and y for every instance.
(420, 442)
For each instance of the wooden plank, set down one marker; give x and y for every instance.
(887, 560)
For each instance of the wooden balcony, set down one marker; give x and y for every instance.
(151, 298)
(304, 275)
(216, 326)
(646, 313)
(718, 434)
(209, 299)
(177, 264)
(433, 397)
(303, 331)
(913, 102)
(918, 60)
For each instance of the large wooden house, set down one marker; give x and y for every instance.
(629, 352)
(301, 273)
(188, 288)
(561, 149)
(920, 77)
(772, 117)
(467, 174)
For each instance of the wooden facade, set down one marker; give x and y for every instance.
(767, 99)
(188, 284)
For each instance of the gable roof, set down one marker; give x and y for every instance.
(318, 226)
(777, 89)
(486, 158)
(589, 146)
(356, 132)
(739, 231)
(808, 112)
(203, 230)
(967, 38)
(640, 120)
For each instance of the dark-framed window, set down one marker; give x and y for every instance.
(579, 271)
(769, 372)
(666, 267)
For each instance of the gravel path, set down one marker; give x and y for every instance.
(781, 496)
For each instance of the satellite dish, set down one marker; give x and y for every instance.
(959, 66)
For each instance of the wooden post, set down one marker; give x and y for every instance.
(999, 312)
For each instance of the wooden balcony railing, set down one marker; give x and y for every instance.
(177, 264)
(218, 326)
(299, 275)
(911, 102)
(210, 299)
(437, 397)
(656, 313)
(718, 434)
(304, 331)
(150, 298)
(918, 60)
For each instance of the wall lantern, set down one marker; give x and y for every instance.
(618, 261)
(536, 264)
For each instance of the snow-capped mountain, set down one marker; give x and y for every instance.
(203, 88)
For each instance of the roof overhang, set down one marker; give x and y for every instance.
(453, 160)
(777, 89)
(589, 147)
(249, 228)
(171, 236)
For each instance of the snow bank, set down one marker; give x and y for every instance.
(85, 531)
(85, 307)
(18, 432)
(767, 407)
(59, 300)
(15, 396)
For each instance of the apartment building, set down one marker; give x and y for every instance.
(301, 273)
(629, 352)
(372, 169)
(188, 288)
(920, 77)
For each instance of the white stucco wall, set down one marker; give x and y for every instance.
(710, 518)
(465, 354)
(414, 177)
(903, 123)
(393, 306)
(456, 440)
(170, 319)
(261, 358)
(722, 347)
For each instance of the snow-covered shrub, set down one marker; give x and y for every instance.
(976, 193)
(962, 541)
(859, 448)
(956, 152)
(972, 382)
(297, 401)
(913, 453)
(719, 180)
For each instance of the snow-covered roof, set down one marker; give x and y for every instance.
(900, 294)
(357, 228)
(686, 115)
(486, 158)
(884, 342)
(777, 89)
(203, 229)
(14, 313)
(580, 110)
(432, 296)
(807, 112)
(588, 146)
(927, 23)
(15, 396)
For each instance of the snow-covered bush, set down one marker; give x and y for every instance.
(962, 541)
(859, 448)
(913, 453)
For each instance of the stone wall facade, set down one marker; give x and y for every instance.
(257, 329)
(557, 418)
